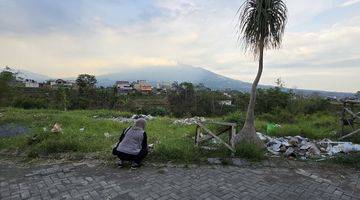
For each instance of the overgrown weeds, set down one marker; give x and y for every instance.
(249, 151)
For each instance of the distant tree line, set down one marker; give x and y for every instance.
(184, 99)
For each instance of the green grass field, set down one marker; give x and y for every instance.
(172, 142)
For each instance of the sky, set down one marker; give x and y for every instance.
(320, 49)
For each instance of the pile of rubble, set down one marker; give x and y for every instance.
(303, 148)
(189, 121)
(132, 119)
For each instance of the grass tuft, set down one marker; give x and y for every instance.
(249, 151)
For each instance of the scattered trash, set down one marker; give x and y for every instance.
(44, 129)
(294, 141)
(289, 152)
(132, 119)
(95, 116)
(334, 148)
(56, 128)
(82, 129)
(313, 150)
(107, 135)
(151, 146)
(271, 127)
(1, 115)
(303, 148)
(147, 117)
(189, 121)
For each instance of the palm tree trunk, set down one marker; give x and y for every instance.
(248, 132)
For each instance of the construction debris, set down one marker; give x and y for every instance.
(189, 121)
(56, 128)
(303, 148)
(132, 119)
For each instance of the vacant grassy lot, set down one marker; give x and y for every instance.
(84, 132)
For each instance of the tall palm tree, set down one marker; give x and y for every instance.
(261, 26)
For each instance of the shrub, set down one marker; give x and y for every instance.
(29, 103)
(349, 160)
(249, 151)
(158, 111)
(54, 145)
(236, 117)
(176, 151)
(278, 116)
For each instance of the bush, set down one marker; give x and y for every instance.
(236, 117)
(249, 151)
(55, 145)
(349, 160)
(158, 111)
(29, 103)
(278, 116)
(315, 105)
(175, 150)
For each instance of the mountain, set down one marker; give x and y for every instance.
(29, 75)
(196, 75)
(180, 73)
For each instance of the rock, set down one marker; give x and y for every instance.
(56, 128)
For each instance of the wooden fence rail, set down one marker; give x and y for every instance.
(204, 134)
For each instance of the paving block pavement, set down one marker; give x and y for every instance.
(80, 181)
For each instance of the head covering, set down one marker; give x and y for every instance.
(140, 124)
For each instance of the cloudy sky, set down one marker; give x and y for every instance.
(321, 48)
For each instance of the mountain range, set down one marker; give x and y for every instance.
(180, 73)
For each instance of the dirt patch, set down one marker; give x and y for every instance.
(12, 130)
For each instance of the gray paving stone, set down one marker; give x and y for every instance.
(99, 182)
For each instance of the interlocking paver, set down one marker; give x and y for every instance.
(74, 181)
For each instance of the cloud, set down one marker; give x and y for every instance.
(349, 3)
(65, 38)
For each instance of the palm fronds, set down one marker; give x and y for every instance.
(261, 24)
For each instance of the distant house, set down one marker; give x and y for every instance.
(55, 84)
(123, 87)
(163, 86)
(225, 102)
(226, 94)
(142, 86)
(29, 83)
